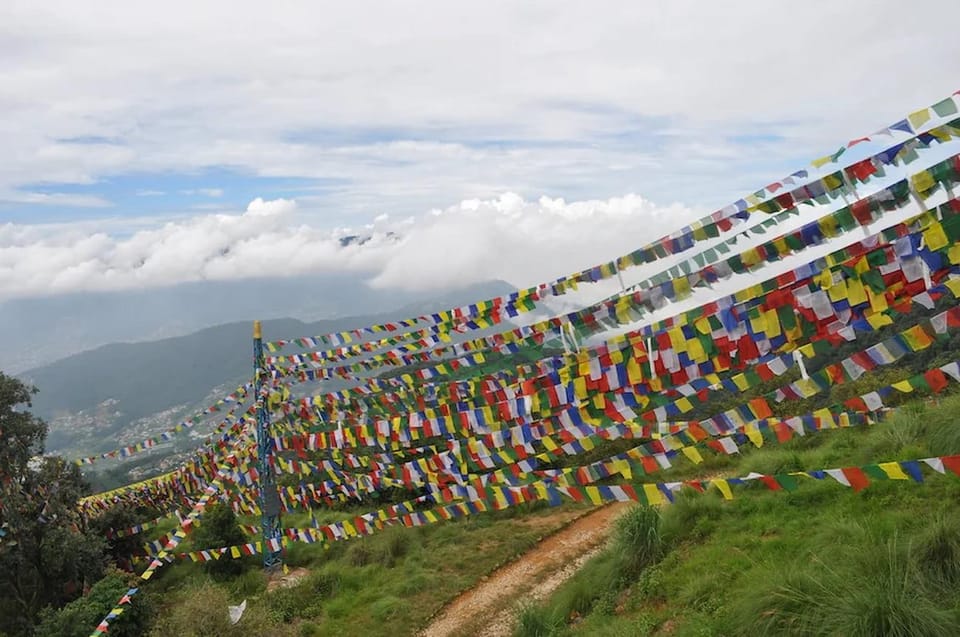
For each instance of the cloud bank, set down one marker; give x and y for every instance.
(507, 238)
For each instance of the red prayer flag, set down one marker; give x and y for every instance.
(771, 483)
(936, 379)
(952, 463)
(857, 478)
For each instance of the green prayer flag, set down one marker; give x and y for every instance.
(787, 481)
(945, 107)
(875, 472)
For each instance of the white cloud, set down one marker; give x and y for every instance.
(54, 199)
(205, 192)
(404, 113)
(508, 238)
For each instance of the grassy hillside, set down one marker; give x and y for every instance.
(819, 560)
(390, 583)
(822, 560)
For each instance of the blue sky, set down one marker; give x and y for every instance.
(119, 120)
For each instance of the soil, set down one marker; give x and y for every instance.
(488, 609)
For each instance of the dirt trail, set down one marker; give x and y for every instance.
(487, 609)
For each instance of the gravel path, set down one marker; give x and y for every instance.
(487, 610)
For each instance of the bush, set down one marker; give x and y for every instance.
(219, 528)
(81, 616)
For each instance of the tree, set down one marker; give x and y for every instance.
(46, 555)
(219, 528)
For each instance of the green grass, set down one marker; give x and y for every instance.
(389, 583)
(819, 561)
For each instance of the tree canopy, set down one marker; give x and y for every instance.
(47, 555)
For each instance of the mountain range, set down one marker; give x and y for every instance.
(119, 393)
(38, 331)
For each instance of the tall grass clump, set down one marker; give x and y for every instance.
(638, 541)
(876, 589)
(938, 552)
(538, 621)
(691, 516)
(202, 612)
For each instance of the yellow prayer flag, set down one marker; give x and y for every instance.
(773, 323)
(580, 387)
(724, 487)
(634, 372)
(753, 433)
(693, 454)
(826, 418)
(903, 385)
(856, 294)
(922, 181)
(878, 301)
(593, 494)
(828, 225)
(954, 254)
(703, 325)
(677, 339)
(935, 238)
(893, 470)
(919, 118)
(822, 161)
(954, 284)
(740, 380)
(838, 291)
(653, 494)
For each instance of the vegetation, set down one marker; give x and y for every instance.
(387, 584)
(818, 561)
(47, 558)
(80, 616)
(220, 528)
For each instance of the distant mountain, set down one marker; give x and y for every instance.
(92, 397)
(38, 331)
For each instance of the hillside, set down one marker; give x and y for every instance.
(35, 332)
(713, 567)
(118, 384)
(822, 559)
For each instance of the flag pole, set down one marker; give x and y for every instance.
(271, 530)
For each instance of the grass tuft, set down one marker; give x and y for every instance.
(638, 541)
(538, 621)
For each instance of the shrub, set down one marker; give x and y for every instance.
(219, 528)
(81, 616)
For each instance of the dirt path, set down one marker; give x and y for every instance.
(487, 609)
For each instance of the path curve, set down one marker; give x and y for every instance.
(488, 609)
